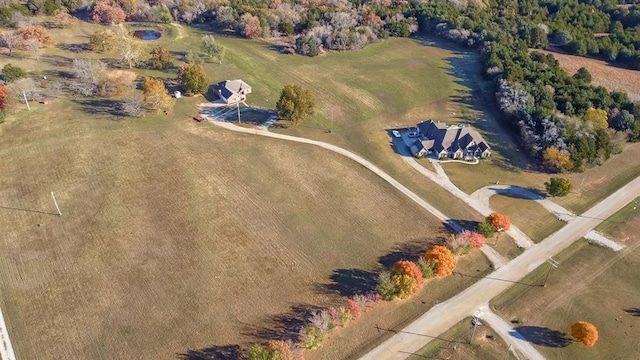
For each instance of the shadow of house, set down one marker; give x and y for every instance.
(224, 352)
(541, 336)
(521, 193)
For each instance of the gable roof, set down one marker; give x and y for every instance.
(229, 87)
(451, 138)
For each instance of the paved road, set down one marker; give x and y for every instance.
(442, 316)
(510, 336)
(496, 259)
(6, 349)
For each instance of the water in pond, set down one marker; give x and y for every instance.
(147, 34)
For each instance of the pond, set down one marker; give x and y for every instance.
(147, 35)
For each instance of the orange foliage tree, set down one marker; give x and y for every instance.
(281, 349)
(556, 158)
(404, 267)
(585, 332)
(445, 260)
(4, 93)
(37, 33)
(499, 221)
(156, 96)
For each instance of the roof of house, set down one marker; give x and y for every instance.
(452, 138)
(229, 87)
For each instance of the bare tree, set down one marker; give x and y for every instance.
(34, 46)
(128, 49)
(89, 74)
(10, 40)
(132, 107)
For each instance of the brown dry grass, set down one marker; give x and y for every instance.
(454, 344)
(528, 216)
(177, 236)
(611, 77)
(593, 284)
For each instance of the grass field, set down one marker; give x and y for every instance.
(593, 284)
(177, 236)
(454, 344)
(528, 216)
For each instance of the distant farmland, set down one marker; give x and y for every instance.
(611, 77)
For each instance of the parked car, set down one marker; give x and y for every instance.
(396, 133)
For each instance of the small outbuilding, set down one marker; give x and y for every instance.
(232, 91)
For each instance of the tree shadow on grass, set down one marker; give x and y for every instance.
(411, 250)
(100, 106)
(633, 311)
(285, 326)
(223, 352)
(349, 282)
(541, 336)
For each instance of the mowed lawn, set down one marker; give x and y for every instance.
(591, 283)
(177, 236)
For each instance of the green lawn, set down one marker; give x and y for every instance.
(529, 216)
(591, 283)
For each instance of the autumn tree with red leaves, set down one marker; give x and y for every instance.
(445, 260)
(404, 267)
(476, 240)
(353, 308)
(499, 221)
(585, 332)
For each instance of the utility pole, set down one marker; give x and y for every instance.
(56, 203)
(554, 264)
(24, 95)
(476, 323)
(507, 354)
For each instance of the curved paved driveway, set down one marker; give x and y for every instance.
(483, 195)
(441, 178)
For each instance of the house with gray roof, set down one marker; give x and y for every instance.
(449, 142)
(232, 91)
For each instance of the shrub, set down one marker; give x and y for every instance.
(407, 268)
(116, 83)
(132, 107)
(281, 349)
(160, 59)
(321, 320)
(354, 308)
(585, 332)
(404, 285)
(311, 337)
(37, 33)
(12, 72)
(344, 315)
(486, 229)
(259, 352)
(155, 95)
(427, 267)
(4, 95)
(444, 259)
(386, 287)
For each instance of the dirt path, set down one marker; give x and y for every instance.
(6, 349)
(510, 336)
(444, 315)
(496, 259)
